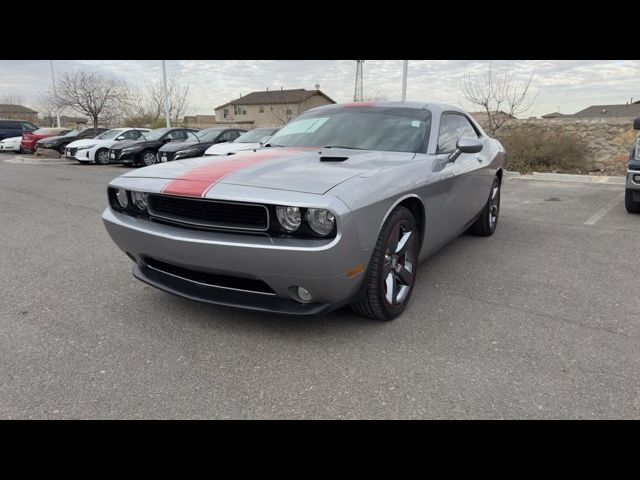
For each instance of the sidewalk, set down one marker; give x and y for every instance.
(566, 177)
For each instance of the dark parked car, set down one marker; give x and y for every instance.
(144, 152)
(30, 139)
(632, 190)
(15, 128)
(60, 142)
(196, 144)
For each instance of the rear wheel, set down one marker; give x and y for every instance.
(630, 203)
(148, 158)
(392, 271)
(487, 222)
(102, 157)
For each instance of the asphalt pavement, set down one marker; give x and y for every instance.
(539, 321)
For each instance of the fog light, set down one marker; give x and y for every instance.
(122, 197)
(636, 178)
(304, 294)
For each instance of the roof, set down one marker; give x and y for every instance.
(267, 97)
(556, 115)
(10, 108)
(599, 111)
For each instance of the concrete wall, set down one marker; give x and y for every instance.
(607, 141)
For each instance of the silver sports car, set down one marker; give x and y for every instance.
(339, 207)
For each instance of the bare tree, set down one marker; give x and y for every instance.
(501, 96)
(97, 96)
(47, 105)
(12, 99)
(178, 99)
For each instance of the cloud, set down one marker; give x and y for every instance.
(570, 85)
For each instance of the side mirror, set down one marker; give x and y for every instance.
(166, 140)
(636, 124)
(465, 145)
(119, 138)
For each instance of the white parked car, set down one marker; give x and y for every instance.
(97, 149)
(11, 144)
(247, 141)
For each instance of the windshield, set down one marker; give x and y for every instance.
(155, 134)
(109, 134)
(364, 128)
(209, 134)
(72, 133)
(257, 135)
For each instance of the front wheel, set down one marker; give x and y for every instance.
(102, 157)
(630, 203)
(392, 272)
(148, 158)
(487, 222)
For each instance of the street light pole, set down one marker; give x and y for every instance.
(405, 67)
(55, 95)
(166, 97)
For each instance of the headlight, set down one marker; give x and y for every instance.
(321, 221)
(122, 197)
(140, 200)
(186, 152)
(85, 147)
(131, 149)
(289, 217)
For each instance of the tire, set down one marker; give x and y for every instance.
(145, 158)
(487, 222)
(102, 157)
(632, 206)
(391, 276)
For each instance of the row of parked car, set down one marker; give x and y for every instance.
(130, 146)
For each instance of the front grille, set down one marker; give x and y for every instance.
(252, 285)
(210, 213)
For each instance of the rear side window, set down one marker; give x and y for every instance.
(9, 125)
(453, 126)
(28, 126)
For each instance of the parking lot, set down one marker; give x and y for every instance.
(539, 321)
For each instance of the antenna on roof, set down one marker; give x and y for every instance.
(317, 86)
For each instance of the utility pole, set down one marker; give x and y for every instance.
(405, 67)
(358, 92)
(166, 97)
(55, 95)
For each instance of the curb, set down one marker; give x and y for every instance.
(567, 177)
(39, 161)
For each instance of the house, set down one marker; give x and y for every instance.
(556, 115)
(631, 110)
(270, 107)
(17, 112)
(199, 120)
(65, 121)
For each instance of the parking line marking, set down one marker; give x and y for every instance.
(604, 210)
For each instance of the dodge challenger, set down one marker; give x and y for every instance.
(338, 208)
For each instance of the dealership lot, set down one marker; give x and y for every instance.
(539, 321)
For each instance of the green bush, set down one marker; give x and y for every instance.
(533, 151)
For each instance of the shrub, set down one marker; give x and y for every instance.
(543, 152)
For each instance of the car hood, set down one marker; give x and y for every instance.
(133, 143)
(11, 140)
(53, 139)
(305, 170)
(175, 146)
(227, 148)
(83, 142)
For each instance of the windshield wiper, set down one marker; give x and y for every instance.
(269, 145)
(347, 148)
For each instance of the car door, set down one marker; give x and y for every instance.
(468, 193)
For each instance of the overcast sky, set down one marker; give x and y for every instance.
(570, 85)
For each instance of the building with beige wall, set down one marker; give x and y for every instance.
(270, 108)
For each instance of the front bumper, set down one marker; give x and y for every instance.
(630, 182)
(320, 266)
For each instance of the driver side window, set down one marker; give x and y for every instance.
(453, 126)
(177, 135)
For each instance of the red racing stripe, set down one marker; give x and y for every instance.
(198, 181)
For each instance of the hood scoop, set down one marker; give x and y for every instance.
(333, 158)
